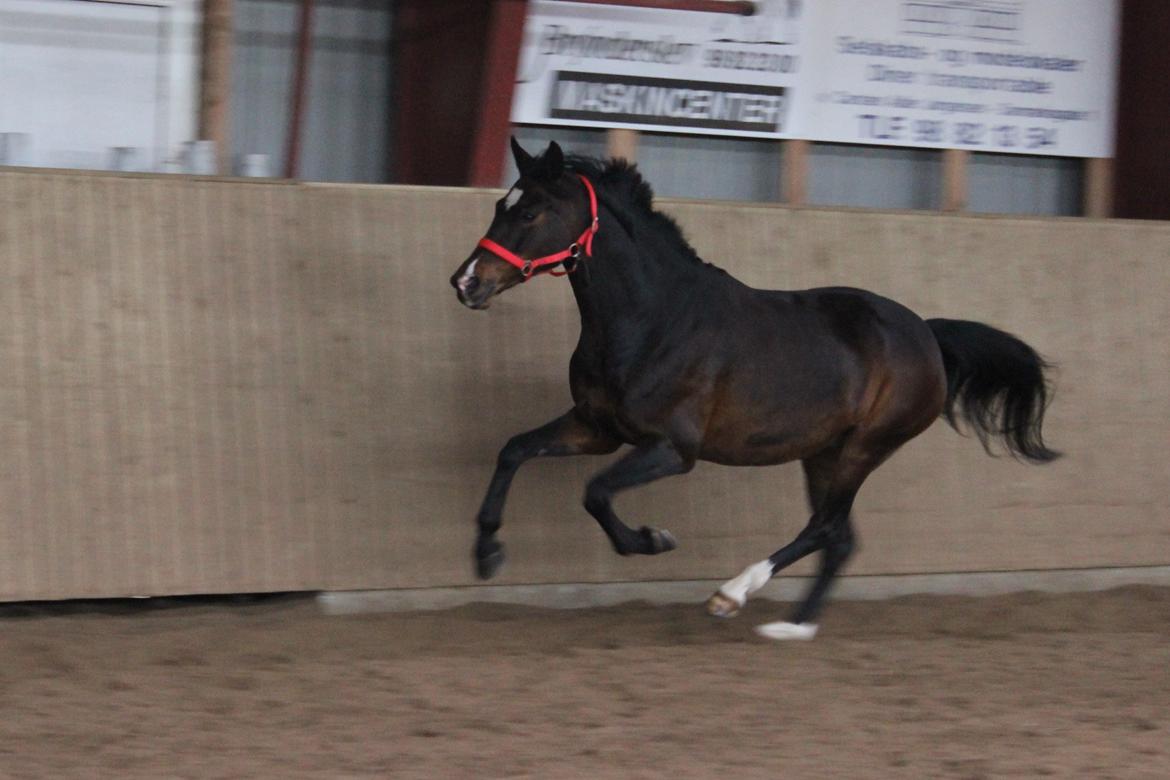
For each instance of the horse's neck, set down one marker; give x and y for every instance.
(620, 291)
(616, 284)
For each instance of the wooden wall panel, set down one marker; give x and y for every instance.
(218, 386)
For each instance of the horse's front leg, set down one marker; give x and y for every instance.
(566, 435)
(645, 464)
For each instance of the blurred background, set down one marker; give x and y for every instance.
(421, 92)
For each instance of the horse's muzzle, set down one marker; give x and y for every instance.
(472, 291)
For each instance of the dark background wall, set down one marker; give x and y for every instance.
(1142, 166)
(441, 51)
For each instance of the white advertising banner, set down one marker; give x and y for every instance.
(1028, 76)
(648, 69)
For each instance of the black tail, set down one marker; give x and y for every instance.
(996, 383)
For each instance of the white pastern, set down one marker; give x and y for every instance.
(513, 197)
(747, 582)
(782, 631)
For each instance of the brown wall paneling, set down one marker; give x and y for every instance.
(218, 386)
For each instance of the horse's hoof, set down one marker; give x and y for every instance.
(488, 559)
(659, 540)
(782, 631)
(722, 606)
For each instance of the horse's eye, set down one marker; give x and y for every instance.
(527, 216)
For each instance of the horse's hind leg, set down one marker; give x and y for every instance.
(833, 478)
(730, 598)
(836, 542)
(566, 435)
(833, 481)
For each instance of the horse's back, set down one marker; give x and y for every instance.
(802, 367)
(864, 319)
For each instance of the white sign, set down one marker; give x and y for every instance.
(1029, 76)
(647, 69)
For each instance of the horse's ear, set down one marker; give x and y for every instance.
(553, 161)
(523, 159)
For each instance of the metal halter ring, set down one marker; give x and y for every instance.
(575, 251)
(526, 270)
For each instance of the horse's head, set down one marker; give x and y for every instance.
(544, 222)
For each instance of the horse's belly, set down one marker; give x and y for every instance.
(761, 441)
(764, 451)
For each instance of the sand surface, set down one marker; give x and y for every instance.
(1027, 685)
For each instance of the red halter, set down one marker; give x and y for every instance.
(529, 267)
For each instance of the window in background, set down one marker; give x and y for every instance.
(879, 177)
(676, 165)
(1020, 184)
(711, 167)
(346, 116)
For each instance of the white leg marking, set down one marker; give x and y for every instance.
(749, 581)
(782, 631)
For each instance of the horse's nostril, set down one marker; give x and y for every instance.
(469, 284)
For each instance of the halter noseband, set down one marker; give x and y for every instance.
(530, 267)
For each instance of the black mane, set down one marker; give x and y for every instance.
(622, 181)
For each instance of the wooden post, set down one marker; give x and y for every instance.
(794, 189)
(1098, 187)
(296, 110)
(215, 79)
(954, 195)
(621, 144)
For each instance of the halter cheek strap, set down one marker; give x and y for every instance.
(529, 268)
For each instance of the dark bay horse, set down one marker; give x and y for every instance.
(683, 362)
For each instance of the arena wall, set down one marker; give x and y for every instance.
(226, 386)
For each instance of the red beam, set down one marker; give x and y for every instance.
(737, 7)
(300, 78)
(439, 66)
(505, 34)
